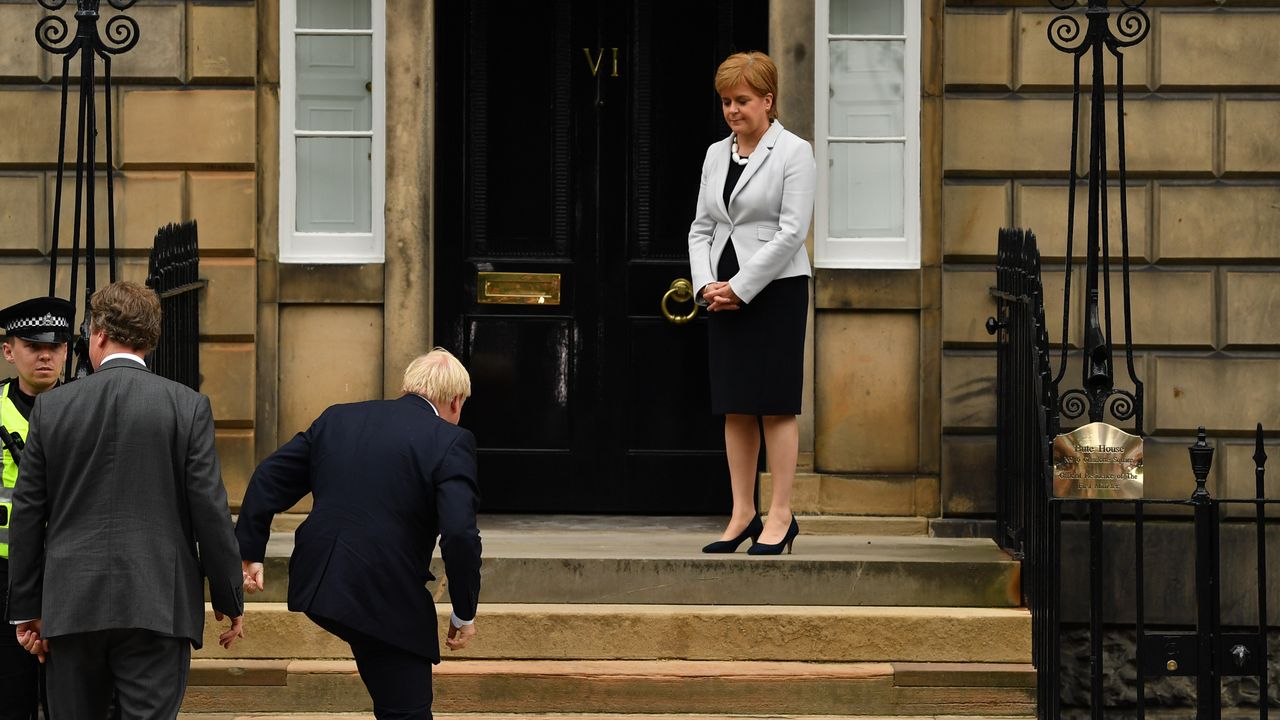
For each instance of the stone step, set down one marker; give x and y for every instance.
(811, 524)
(593, 716)
(527, 687)
(863, 525)
(678, 632)
(962, 528)
(659, 561)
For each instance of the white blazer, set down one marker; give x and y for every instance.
(767, 217)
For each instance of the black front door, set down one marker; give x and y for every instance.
(570, 138)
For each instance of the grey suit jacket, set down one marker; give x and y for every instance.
(767, 216)
(120, 511)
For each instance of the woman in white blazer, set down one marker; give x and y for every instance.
(748, 260)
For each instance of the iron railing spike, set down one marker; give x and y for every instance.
(1260, 451)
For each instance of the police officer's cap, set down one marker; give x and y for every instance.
(40, 319)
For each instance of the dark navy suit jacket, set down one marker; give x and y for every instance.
(387, 477)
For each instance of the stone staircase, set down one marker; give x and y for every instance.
(624, 618)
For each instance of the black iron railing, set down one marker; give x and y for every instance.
(1022, 374)
(1033, 525)
(1199, 645)
(174, 273)
(1025, 405)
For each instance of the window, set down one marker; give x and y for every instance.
(332, 131)
(868, 134)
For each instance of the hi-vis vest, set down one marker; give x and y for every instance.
(13, 422)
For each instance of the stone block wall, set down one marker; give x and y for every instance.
(184, 113)
(1203, 139)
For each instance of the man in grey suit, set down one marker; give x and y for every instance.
(119, 511)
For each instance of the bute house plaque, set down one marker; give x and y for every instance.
(1097, 461)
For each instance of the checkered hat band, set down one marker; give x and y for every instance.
(46, 320)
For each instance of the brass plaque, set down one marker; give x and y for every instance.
(509, 288)
(1097, 461)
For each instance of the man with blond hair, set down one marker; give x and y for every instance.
(119, 515)
(386, 477)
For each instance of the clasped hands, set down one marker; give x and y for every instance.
(720, 296)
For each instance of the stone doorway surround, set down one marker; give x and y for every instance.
(316, 325)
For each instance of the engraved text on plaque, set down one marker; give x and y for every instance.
(1097, 461)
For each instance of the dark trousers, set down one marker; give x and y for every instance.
(398, 681)
(19, 669)
(147, 671)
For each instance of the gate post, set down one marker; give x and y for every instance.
(1208, 680)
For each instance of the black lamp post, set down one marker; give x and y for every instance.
(1104, 33)
(119, 35)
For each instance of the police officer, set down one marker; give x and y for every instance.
(35, 344)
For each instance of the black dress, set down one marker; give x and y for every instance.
(757, 353)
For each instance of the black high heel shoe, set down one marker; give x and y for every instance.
(776, 548)
(754, 528)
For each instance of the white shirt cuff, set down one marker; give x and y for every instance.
(459, 622)
(19, 622)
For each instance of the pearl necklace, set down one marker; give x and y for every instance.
(733, 151)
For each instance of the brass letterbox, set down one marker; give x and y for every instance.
(512, 288)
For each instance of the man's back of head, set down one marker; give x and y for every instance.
(123, 317)
(439, 377)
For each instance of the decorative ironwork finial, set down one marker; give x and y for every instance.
(1201, 461)
(1103, 33)
(118, 35)
(86, 6)
(1260, 463)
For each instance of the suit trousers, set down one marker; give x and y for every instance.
(18, 668)
(148, 672)
(398, 681)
